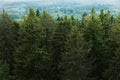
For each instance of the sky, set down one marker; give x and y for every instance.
(84, 2)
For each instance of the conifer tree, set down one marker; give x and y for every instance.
(112, 72)
(7, 47)
(31, 58)
(58, 48)
(93, 34)
(75, 58)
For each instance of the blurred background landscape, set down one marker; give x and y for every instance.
(17, 8)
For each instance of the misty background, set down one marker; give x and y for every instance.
(17, 8)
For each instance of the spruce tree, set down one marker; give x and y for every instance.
(112, 72)
(58, 48)
(31, 57)
(93, 33)
(75, 58)
(7, 47)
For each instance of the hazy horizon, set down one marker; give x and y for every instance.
(61, 7)
(84, 2)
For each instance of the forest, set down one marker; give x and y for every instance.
(39, 47)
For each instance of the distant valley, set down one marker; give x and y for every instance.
(17, 9)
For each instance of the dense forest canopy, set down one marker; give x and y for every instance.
(66, 48)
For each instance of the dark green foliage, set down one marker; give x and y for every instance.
(7, 47)
(37, 12)
(31, 53)
(58, 48)
(75, 57)
(93, 34)
(41, 48)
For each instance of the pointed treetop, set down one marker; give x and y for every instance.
(37, 12)
(93, 11)
(31, 12)
(84, 14)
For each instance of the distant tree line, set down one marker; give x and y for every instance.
(41, 48)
